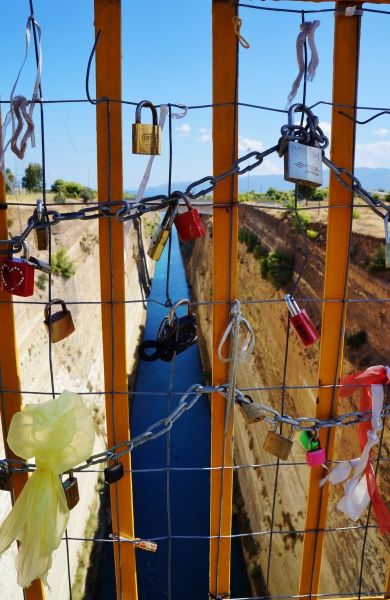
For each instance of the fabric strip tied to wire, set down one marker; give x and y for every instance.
(362, 486)
(307, 32)
(60, 434)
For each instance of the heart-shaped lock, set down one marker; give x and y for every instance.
(17, 275)
(59, 324)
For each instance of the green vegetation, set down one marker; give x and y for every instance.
(355, 340)
(32, 180)
(311, 234)
(71, 189)
(277, 268)
(11, 178)
(306, 192)
(41, 282)
(355, 214)
(377, 261)
(62, 265)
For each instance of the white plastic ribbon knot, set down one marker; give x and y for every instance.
(60, 434)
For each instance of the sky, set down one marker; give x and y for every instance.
(167, 58)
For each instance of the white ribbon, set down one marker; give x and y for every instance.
(356, 496)
(18, 107)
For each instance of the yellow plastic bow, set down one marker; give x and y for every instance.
(60, 434)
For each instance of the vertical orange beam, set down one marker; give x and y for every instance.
(112, 280)
(9, 372)
(345, 80)
(224, 283)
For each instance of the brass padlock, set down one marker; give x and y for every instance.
(41, 235)
(146, 138)
(302, 159)
(161, 234)
(60, 324)
(387, 241)
(277, 444)
(71, 489)
(5, 477)
(252, 412)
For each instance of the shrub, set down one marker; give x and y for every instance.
(87, 193)
(73, 189)
(62, 265)
(355, 340)
(377, 260)
(355, 214)
(41, 282)
(300, 219)
(311, 234)
(277, 268)
(59, 198)
(259, 252)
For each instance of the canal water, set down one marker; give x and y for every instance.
(168, 495)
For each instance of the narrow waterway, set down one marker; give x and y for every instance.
(171, 501)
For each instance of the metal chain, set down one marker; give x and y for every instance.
(187, 401)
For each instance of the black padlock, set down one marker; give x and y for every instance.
(71, 489)
(5, 477)
(113, 473)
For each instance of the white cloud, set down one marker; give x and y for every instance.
(381, 131)
(248, 144)
(373, 155)
(183, 130)
(326, 128)
(203, 130)
(205, 135)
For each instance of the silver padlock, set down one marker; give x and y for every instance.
(302, 159)
(252, 412)
(387, 241)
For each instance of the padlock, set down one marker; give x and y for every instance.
(252, 412)
(315, 455)
(17, 274)
(71, 489)
(387, 241)
(308, 441)
(39, 265)
(5, 477)
(302, 161)
(189, 223)
(301, 322)
(277, 444)
(41, 234)
(113, 473)
(146, 138)
(59, 324)
(161, 234)
(145, 545)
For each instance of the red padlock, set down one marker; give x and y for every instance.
(189, 223)
(301, 322)
(17, 275)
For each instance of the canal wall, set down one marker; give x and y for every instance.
(257, 493)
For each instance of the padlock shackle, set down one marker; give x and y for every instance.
(292, 305)
(39, 210)
(172, 312)
(50, 304)
(182, 196)
(147, 104)
(170, 215)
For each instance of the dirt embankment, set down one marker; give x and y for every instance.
(285, 487)
(77, 361)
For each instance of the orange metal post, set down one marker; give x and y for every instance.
(9, 367)
(345, 78)
(109, 118)
(224, 283)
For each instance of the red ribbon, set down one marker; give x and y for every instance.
(377, 374)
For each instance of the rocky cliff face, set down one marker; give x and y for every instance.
(271, 492)
(77, 365)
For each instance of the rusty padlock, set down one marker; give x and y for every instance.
(41, 232)
(5, 477)
(277, 444)
(59, 324)
(252, 412)
(189, 223)
(71, 489)
(301, 322)
(146, 138)
(17, 274)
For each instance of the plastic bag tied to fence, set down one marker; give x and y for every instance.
(60, 434)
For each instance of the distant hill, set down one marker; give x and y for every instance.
(371, 179)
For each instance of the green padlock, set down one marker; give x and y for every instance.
(309, 441)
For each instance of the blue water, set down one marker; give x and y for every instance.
(185, 492)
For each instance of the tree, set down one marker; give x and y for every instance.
(11, 178)
(32, 180)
